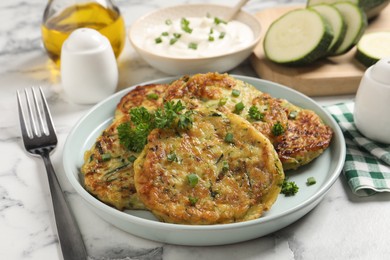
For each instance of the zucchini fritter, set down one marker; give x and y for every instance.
(222, 170)
(108, 166)
(299, 139)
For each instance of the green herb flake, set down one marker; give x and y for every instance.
(177, 35)
(222, 101)
(185, 25)
(168, 21)
(192, 200)
(152, 96)
(277, 129)
(289, 188)
(229, 138)
(193, 179)
(164, 34)
(239, 107)
(193, 45)
(132, 158)
(255, 114)
(225, 166)
(106, 156)
(311, 181)
(158, 40)
(236, 93)
(211, 38)
(172, 157)
(222, 35)
(172, 41)
(219, 21)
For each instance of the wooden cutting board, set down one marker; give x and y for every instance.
(330, 76)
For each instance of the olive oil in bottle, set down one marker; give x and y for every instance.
(106, 20)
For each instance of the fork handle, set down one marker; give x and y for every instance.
(72, 244)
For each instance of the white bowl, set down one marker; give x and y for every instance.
(178, 66)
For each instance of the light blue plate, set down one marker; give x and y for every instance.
(285, 211)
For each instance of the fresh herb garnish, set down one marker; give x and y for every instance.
(289, 188)
(211, 38)
(172, 157)
(168, 21)
(219, 20)
(153, 96)
(311, 181)
(277, 129)
(222, 101)
(193, 45)
(239, 107)
(222, 35)
(185, 25)
(133, 135)
(193, 179)
(229, 138)
(164, 33)
(225, 166)
(173, 41)
(255, 114)
(236, 93)
(192, 200)
(158, 40)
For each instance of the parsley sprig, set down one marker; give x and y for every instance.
(133, 135)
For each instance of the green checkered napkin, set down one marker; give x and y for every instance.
(367, 163)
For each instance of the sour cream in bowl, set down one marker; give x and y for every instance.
(190, 39)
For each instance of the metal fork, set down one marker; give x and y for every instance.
(40, 139)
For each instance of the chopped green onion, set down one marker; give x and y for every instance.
(132, 158)
(311, 181)
(293, 114)
(185, 25)
(222, 101)
(222, 35)
(152, 96)
(192, 200)
(177, 35)
(165, 34)
(193, 179)
(236, 93)
(193, 45)
(173, 41)
(211, 38)
(229, 138)
(172, 157)
(225, 166)
(168, 21)
(106, 156)
(211, 31)
(158, 40)
(239, 107)
(219, 20)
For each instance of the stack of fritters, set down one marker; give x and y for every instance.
(237, 179)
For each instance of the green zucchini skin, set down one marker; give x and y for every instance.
(319, 51)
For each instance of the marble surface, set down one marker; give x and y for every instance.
(342, 226)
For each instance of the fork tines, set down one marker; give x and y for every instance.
(35, 119)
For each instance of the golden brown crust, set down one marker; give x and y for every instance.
(247, 185)
(111, 179)
(139, 97)
(305, 136)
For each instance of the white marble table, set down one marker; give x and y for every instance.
(342, 226)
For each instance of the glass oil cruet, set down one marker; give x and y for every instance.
(62, 17)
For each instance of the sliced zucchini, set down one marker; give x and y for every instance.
(356, 22)
(336, 21)
(297, 38)
(370, 7)
(373, 47)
